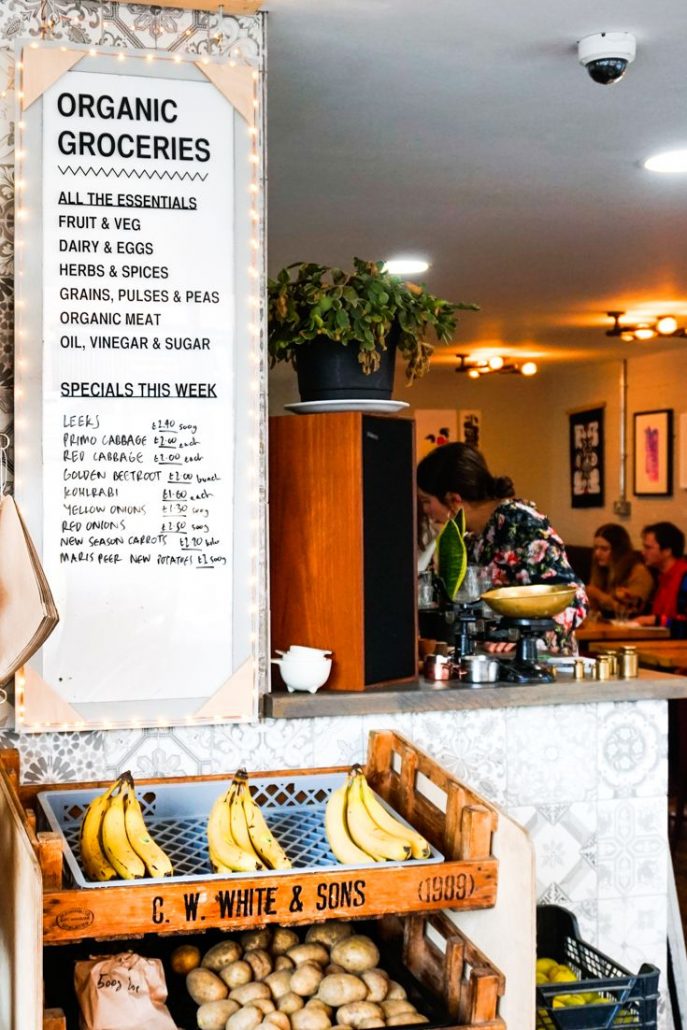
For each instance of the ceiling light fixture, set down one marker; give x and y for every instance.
(475, 368)
(406, 266)
(666, 325)
(670, 162)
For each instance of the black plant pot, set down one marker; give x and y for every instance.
(328, 371)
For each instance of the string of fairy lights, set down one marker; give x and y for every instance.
(255, 277)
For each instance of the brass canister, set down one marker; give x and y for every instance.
(603, 667)
(628, 663)
(579, 670)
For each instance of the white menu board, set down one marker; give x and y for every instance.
(143, 398)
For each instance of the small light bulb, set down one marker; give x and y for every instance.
(473, 373)
(645, 332)
(627, 337)
(529, 368)
(666, 325)
(495, 363)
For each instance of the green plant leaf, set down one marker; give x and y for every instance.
(451, 556)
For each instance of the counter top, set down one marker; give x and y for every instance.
(426, 696)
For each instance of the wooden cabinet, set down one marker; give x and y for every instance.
(342, 543)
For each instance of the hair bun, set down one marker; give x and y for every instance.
(503, 487)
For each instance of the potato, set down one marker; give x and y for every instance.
(377, 985)
(310, 1019)
(369, 1024)
(283, 939)
(341, 989)
(252, 939)
(277, 1019)
(356, 954)
(260, 962)
(279, 983)
(246, 992)
(185, 958)
(221, 955)
(247, 1018)
(310, 953)
(358, 1011)
(284, 962)
(306, 979)
(396, 990)
(406, 1019)
(328, 934)
(204, 985)
(266, 1005)
(236, 974)
(213, 1015)
(395, 1006)
(290, 1003)
(315, 1003)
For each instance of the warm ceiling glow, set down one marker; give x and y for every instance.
(529, 368)
(666, 325)
(495, 363)
(669, 162)
(473, 373)
(644, 332)
(406, 266)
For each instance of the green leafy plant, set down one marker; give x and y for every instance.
(451, 554)
(362, 309)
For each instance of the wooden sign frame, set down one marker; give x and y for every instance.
(228, 678)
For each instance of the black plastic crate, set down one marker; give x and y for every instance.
(629, 1000)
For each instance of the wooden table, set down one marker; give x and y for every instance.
(627, 634)
(667, 655)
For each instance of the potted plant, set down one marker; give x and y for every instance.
(341, 330)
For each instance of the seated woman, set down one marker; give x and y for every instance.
(620, 582)
(508, 537)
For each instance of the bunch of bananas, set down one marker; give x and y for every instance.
(114, 840)
(359, 829)
(239, 839)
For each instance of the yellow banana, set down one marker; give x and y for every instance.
(237, 820)
(345, 850)
(115, 841)
(93, 858)
(267, 846)
(365, 832)
(224, 853)
(419, 847)
(156, 861)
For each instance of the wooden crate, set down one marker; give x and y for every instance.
(456, 821)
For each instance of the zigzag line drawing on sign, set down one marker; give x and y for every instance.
(132, 173)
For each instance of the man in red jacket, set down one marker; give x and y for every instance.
(663, 546)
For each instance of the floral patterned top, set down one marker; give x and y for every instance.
(519, 545)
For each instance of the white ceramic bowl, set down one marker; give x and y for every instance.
(304, 674)
(300, 651)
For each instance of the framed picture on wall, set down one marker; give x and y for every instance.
(653, 453)
(470, 427)
(587, 458)
(433, 428)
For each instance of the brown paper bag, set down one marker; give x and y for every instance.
(122, 992)
(27, 611)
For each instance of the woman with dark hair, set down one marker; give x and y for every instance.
(506, 536)
(620, 582)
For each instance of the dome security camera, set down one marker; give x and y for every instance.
(606, 55)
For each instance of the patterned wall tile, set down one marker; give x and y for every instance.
(551, 754)
(60, 757)
(338, 741)
(636, 933)
(271, 744)
(633, 847)
(175, 752)
(471, 744)
(632, 749)
(564, 838)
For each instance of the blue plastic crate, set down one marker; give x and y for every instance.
(177, 813)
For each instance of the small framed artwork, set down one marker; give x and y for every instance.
(653, 453)
(433, 428)
(587, 458)
(470, 427)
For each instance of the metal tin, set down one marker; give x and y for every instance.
(479, 668)
(628, 663)
(603, 667)
(612, 662)
(579, 669)
(437, 667)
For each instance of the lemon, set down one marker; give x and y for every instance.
(542, 978)
(562, 974)
(544, 965)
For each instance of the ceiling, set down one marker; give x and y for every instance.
(466, 131)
